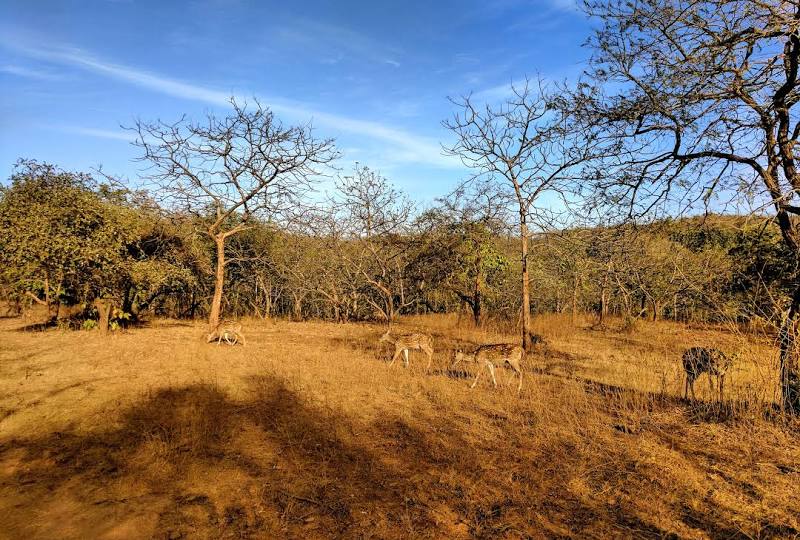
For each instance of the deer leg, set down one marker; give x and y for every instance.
(520, 381)
(491, 371)
(476, 379)
(397, 352)
(405, 357)
(429, 352)
(244, 341)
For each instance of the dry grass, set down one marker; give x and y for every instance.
(307, 433)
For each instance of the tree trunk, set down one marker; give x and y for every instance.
(47, 295)
(297, 307)
(575, 285)
(789, 364)
(127, 300)
(655, 305)
(57, 299)
(526, 293)
(103, 307)
(477, 298)
(193, 305)
(337, 307)
(603, 302)
(389, 302)
(266, 290)
(477, 311)
(219, 283)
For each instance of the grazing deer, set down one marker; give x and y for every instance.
(409, 342)
(490, 356)
(699, 360)
(229, 332)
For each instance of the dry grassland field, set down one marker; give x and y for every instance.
(307, 432)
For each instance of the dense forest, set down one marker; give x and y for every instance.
(67, 240)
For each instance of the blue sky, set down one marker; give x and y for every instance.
(373, 75)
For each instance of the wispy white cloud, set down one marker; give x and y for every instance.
(494, 93)
(501, 92)
(407, 147)
(29, 73)
(98, 133)
(78, 58)
(326, 39)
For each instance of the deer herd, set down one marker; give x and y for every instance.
(696, 360)
(488, 356)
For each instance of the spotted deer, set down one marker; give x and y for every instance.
(409, 342)
(228, 331)
(699, 360)
(491, 356)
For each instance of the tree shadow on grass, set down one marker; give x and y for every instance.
(38, 326)
(192, 462)
(298, 470)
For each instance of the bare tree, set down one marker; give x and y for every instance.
(703, 93)
(234, 168)
(377, 219)
(529, 147)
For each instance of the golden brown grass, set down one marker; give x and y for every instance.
(307, 433)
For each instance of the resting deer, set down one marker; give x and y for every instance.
(409, 342)
(229, 332)
(699, 360)
(494, 355)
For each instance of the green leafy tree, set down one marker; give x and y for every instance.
(60, 240)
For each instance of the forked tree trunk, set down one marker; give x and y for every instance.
(219, 283)
(789, 358)
(526, 292)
